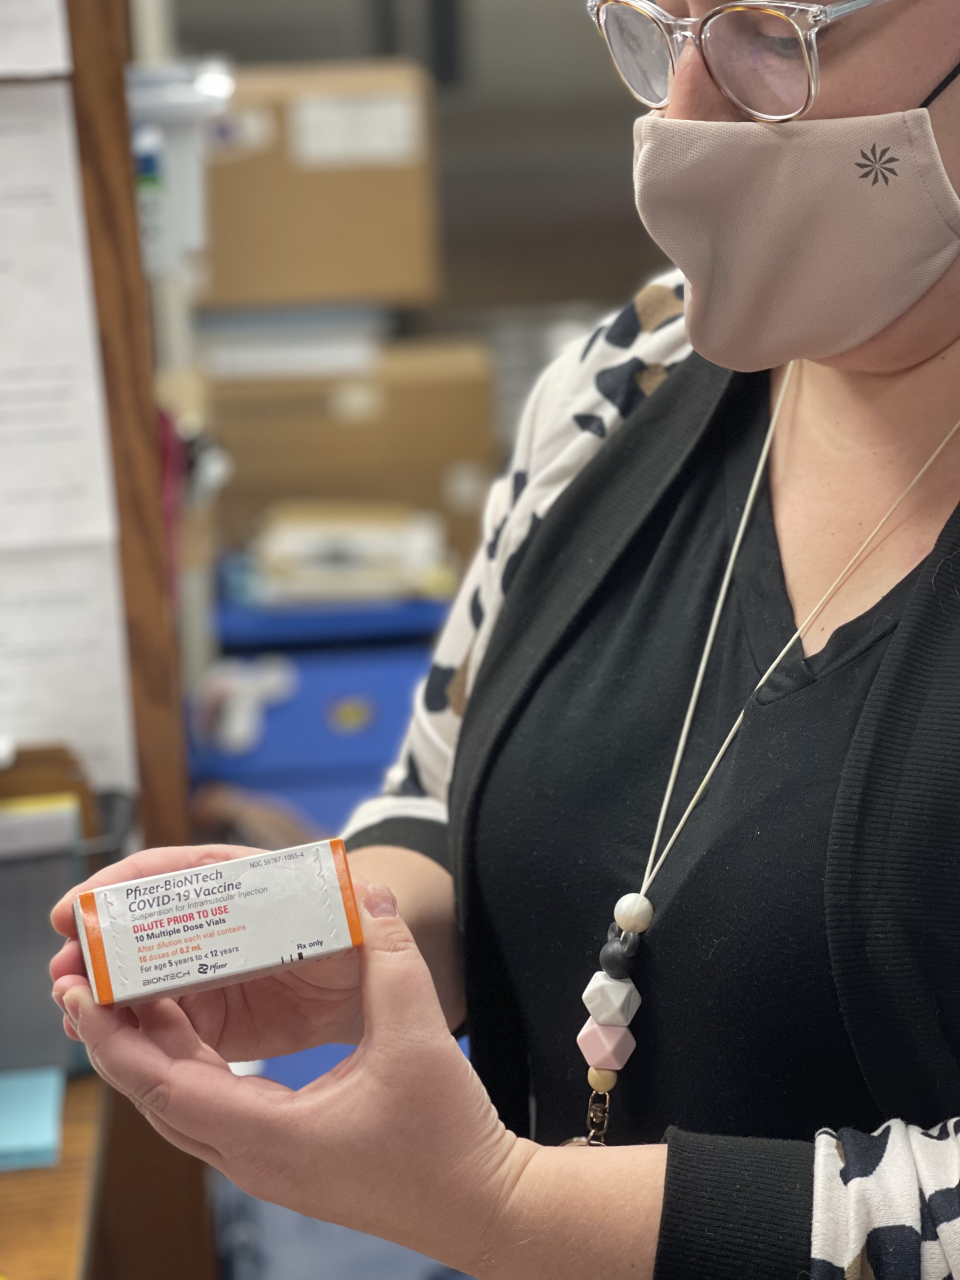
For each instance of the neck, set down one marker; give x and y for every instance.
(903, 414)
(847, 446)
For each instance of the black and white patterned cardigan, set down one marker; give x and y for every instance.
(885, 1205)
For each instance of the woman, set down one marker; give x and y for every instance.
(800, 979)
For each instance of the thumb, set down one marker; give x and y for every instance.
(399, 998)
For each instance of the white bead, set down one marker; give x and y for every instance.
(633, 913)
(612, 1002)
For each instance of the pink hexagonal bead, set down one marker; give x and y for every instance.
(606, 1048)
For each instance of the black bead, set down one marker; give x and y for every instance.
(630, 944)
(613, 932)
(613, 962)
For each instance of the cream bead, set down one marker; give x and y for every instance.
(601, 1081)
(634, 913)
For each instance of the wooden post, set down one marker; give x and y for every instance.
(140, 1173)
(100, 34)
(150, 1217)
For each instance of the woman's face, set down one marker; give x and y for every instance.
(880, 60)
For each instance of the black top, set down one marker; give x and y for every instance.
(740, 1030)
(736, 1208)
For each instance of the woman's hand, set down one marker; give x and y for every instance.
(399, 1140)
(283, 1013)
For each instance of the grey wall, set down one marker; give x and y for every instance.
(538, 51)
(524, 50)
(264, 30)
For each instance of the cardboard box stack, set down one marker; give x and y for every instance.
(321, 188)
(416, 430)
(322, 195)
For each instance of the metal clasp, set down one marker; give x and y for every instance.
(598, 1119)
(598, 1122)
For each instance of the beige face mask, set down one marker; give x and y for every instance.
(797, 240)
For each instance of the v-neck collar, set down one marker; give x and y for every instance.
(759, 585)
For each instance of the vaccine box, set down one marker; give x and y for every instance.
(214, 925)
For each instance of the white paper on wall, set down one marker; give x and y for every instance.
(34, 38)
(63, 658)
(349, 131)
(56, 482)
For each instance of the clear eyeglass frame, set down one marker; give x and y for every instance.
(808, 20)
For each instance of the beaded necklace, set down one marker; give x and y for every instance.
(611, 998)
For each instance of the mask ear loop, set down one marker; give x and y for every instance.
(941, 87)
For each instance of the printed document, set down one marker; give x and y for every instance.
(56, 482)
(63, 658)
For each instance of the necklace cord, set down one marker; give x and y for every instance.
(714, 625)
(654, 866)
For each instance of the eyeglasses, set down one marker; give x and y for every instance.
(763, 57)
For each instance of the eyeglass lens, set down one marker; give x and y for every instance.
(755, 55)
(758, 59)
(641, 52)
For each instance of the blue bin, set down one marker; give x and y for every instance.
(243, 626)
(327, 748)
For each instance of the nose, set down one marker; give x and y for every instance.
(693, 95)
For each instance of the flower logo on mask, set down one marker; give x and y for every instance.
(878, 165)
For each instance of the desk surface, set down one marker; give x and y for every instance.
(45, 1213)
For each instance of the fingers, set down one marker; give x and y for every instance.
(195, 1100)
(336, 973)
(63, 985)
(398, 994)
(76, 980)
(169, 1028)
(125, 1058)
(163, 1022)
(140, 866)
(68, 960)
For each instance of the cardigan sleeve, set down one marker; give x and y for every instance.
(851, 1206)
(887, 1204)
(735, 1209)
(580, 401)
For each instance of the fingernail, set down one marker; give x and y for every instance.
(72, 1004)
(72, 1010)
(379, 902)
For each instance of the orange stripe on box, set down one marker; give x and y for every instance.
(98, 954)
(346, 891)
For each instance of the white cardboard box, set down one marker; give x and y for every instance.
(219, 924)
